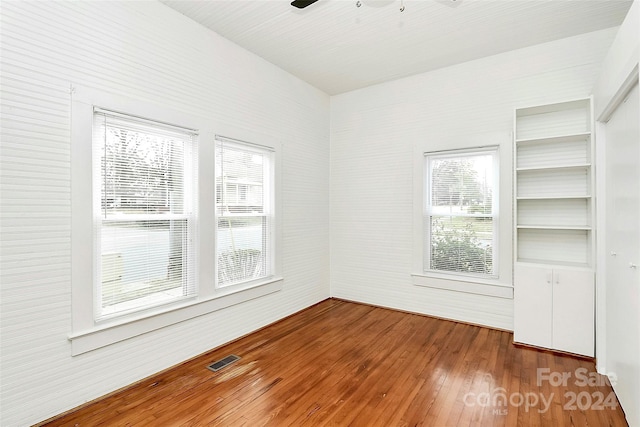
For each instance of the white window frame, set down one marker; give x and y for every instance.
(428, 182)
(89, 334)
(268, 206)
(501, 284)
(190, 185)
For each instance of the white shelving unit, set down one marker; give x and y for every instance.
(553, 234)
(554, 179)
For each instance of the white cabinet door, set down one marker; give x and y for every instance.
(554, 308)
(573, 311)
(532, 316)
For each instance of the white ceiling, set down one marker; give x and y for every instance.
(338, 47)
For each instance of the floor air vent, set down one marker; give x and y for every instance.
(216, 366)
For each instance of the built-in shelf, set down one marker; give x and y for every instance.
(553, 121)
(553, 263)
(580, 105)
(584, 166)
(553, 197)
(574, 137)
(553, 183)
(554, 227)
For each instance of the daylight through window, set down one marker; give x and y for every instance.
(460, 212)
(144, 215)
(244, 209)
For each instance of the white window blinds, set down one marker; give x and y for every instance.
(144, 178)
(460, 213)
(244, 211)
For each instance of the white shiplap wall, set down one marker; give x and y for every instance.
(373, 134)
(145, 51)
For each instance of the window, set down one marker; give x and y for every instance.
(460, 215)
(169, 221)
(244, 210)
(144, 183)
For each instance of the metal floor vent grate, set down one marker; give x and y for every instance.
(216, 366)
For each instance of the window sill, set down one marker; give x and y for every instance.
(469, 285)
(101, 336)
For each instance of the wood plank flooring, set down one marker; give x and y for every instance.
(339, 363)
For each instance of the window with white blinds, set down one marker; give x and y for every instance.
(460, 213)
(244, 194)
(169, 221)
(144, 191)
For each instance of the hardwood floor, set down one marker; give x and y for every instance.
(339, 363)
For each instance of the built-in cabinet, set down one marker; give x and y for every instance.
(554, 218)
(552, 308)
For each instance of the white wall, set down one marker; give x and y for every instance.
(617, 321)
(373, 132)
(609, 89)
(146, 51)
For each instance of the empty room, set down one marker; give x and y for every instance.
(320, 212)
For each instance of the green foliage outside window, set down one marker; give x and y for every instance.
(459, 249)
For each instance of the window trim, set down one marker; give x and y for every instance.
(122, 329)
(189, 215)
(500, 286)
(492, 150)
(87, 334)
(269, 206)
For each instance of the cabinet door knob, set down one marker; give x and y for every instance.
(613, 253)
(632, 265)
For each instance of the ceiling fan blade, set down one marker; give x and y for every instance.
(301, 4)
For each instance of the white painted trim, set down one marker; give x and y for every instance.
(91, 339)
(83, 101)
(503, 278)
(88, 333)
(494, 152)
(274, 148)
(601, 248)
(469, 286)
(601, 215)
(628, 83)
(618, 74)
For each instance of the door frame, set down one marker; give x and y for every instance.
(601, 256)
